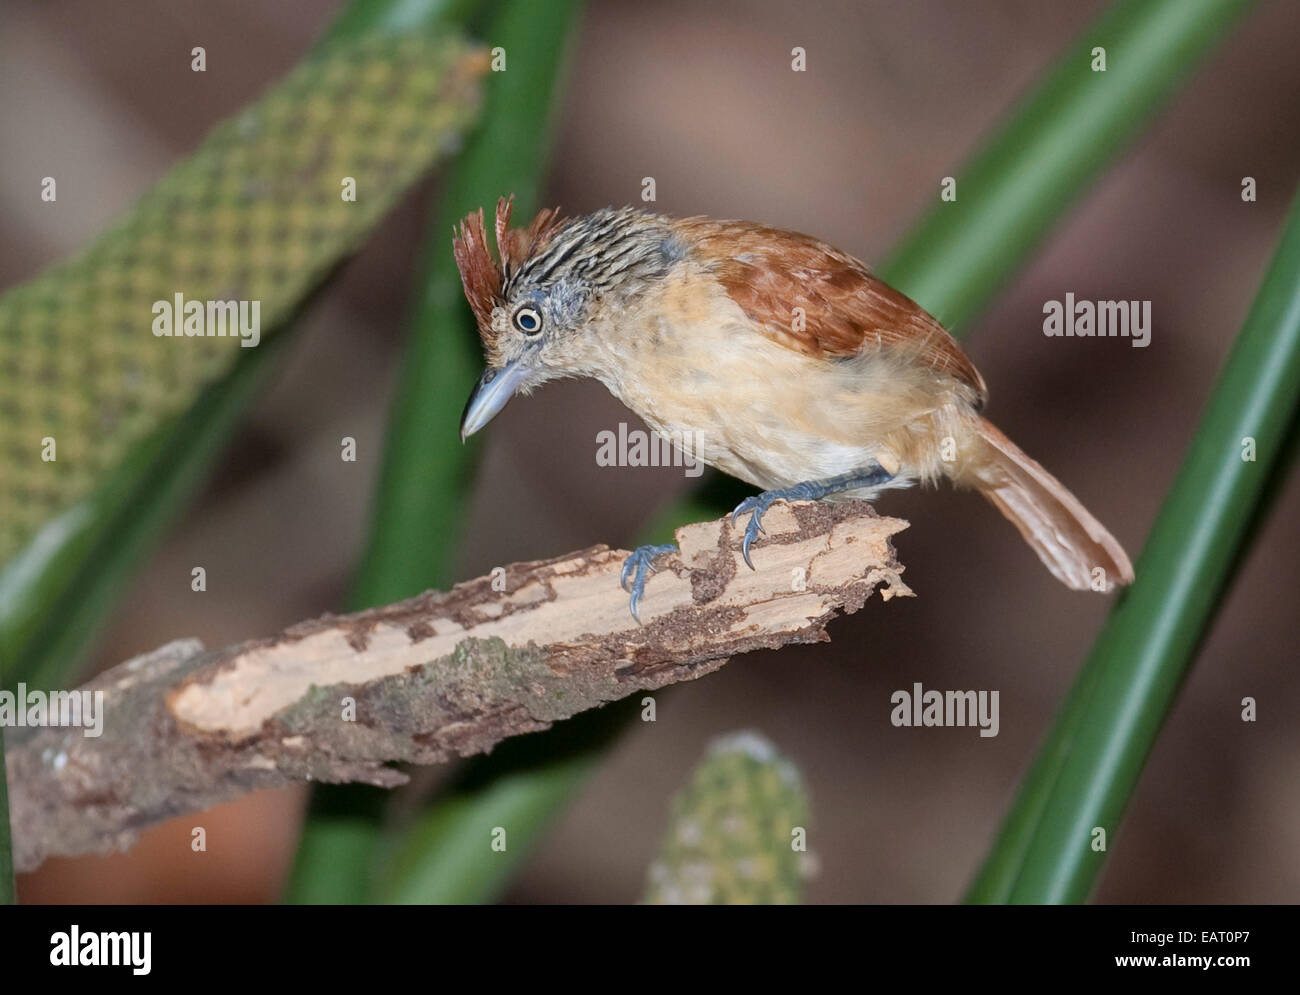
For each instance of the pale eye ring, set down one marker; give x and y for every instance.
(528, 320)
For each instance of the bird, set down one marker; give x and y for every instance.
(790, 364)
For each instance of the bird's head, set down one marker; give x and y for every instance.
(540, 309)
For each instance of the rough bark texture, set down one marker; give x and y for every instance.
(437, 676)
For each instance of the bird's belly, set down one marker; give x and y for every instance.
(774, 417)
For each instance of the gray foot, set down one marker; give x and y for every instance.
(637, 567)
(810, 490)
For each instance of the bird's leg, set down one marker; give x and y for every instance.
(638, 567)
(872, 475)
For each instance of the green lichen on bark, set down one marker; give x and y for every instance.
(403, 716)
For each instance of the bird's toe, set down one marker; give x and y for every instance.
(637, 569)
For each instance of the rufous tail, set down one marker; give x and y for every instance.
(1067, 538)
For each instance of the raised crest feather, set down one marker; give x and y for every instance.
(483, 277)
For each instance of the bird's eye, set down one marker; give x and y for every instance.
(528, 320)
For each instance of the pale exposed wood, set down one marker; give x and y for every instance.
(434, 677)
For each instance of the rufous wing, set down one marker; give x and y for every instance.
(769, 272)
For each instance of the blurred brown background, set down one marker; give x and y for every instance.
(702, 98)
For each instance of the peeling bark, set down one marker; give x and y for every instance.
(437, 676)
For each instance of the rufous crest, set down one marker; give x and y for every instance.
(482, 275)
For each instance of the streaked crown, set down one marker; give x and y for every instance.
(559, 265)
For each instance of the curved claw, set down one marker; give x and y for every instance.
(638, 567)
(747, 542)
(870, 476)
(757, 506)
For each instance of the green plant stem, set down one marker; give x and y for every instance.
(446, 855)
(1087, 769)
(421, 500)
(1029, 173)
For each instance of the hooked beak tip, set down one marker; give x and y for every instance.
(490, 395)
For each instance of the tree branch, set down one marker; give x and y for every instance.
(434, 677)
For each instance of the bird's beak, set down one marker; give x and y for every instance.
(494, 389)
